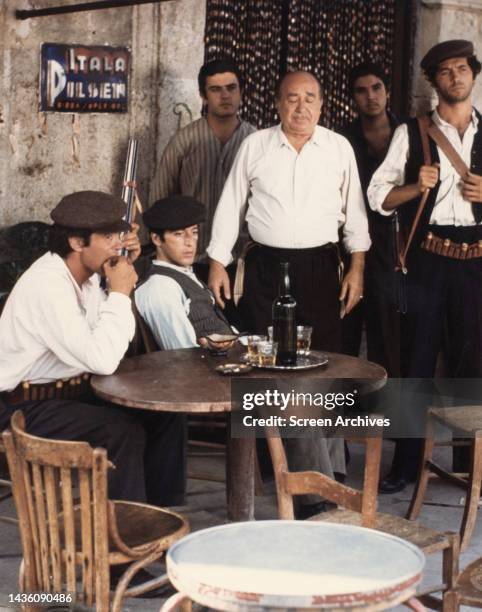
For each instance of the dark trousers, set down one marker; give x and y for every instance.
(314, 285)
(444, 298)
(378, 312)
(147, 448)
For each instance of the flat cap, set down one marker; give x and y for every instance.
(174, 212)
(93, 210)
(446, 50)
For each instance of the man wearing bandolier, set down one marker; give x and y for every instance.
(444, 260)
(59, 326)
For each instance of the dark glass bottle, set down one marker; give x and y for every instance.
(284, 320)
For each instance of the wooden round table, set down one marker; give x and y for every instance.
(294, 564)
(186, 381)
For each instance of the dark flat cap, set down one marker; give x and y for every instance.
(174, 212)
(93, 210)
(446, 50)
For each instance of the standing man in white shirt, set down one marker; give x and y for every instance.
(444, 280)
(59, 326)
(178, 308)
(296, 184)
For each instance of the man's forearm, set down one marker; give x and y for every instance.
(357, 261)
(400, 195)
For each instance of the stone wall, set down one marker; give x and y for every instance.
(440, 20)
(46, 155)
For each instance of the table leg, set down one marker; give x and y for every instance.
(240, 477)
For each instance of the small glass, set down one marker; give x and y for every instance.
(270, 333)
(253, 346)
(303, 339)
(267, 353)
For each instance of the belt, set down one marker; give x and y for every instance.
(238, 288)
(70, 388)
(447, 248)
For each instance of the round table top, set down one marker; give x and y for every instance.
(185, 380)
(294, 564)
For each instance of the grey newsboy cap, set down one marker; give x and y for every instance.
(174, 212)
(93, 210)
(446, 50)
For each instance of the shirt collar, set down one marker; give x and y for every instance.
(185, 269)
(282, 139)
(441, 122)
(59, 263)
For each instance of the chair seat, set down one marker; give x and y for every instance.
(462, 418)
(469, 584)
(426, 539)
(140, 524)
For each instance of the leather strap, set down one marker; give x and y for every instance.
(444, 143)
(424, 123)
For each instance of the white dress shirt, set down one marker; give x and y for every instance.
(51, 328)
(451, 208)
(291, 200)
(164, 306)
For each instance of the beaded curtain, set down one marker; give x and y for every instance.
(327, 37)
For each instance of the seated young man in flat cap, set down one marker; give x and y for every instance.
(179, 309)
(59, 324)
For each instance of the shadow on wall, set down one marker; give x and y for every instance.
(20, 245)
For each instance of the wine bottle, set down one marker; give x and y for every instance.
(284, 320)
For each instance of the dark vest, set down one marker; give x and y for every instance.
(205, 316)
(415, 160)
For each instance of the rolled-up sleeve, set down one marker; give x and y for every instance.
(391, 173)
(231, 208)
(355, 229)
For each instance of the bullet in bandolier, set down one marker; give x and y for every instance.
(26, 391)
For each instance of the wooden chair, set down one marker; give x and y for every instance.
(466, 422)
(356, 507)
(467, 590)
(70, 544)
(5, 485)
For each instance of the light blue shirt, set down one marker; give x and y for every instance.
(164, 306)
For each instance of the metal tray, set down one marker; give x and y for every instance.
(304, 362)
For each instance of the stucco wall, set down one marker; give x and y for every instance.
(439, 21)
(37, 164)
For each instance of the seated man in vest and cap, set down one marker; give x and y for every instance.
(179, 309)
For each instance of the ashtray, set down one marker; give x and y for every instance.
(220, 343)
(234, 369)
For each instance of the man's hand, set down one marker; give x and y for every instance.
(428, 177)
(218, 282)
(130, 241)
(352, 285)
(472, 187)
(120, 275)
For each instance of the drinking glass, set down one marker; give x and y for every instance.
(267, 353)
(253, 346)
(303, 339)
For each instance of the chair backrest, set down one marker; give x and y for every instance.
(63, 538)
(302, 483)
(144, 341)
